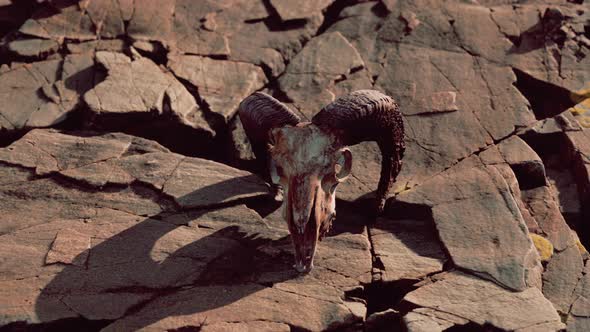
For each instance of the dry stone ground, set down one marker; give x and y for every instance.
(130, 200)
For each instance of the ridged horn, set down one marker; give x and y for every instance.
(368, 115)
(260, 113)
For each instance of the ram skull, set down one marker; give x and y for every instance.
(309, 159)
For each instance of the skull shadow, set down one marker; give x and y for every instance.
(121, 274)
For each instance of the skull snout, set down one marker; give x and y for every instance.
(305, 245)
(302, 220)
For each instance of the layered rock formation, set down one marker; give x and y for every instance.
(128, 197)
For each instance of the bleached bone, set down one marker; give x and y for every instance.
(310, 159)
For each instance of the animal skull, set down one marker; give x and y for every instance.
(309, 163)
(310, 159)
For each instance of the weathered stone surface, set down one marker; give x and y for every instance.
(561, 277)
(48, 151)
(580, 153)
(221, 84)
(80, 251)
(246, 326)
(69, 247)
(426, 319)
(484, 302)
(579, 315)
(525, 162)
(140, 86)
(578, 324)
(236, 303)
(105, 305)
(194, 29)
(33, 47)
(545, 211)
(69, 23)
(24, 87)
(407, 249)
(478, 222)
(110, 45)
(359, 24)
(43, 93)
(109, 229)
(310, 76)
(219, 180)
(289, 10)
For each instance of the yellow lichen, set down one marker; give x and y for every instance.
(544, 247)
(582, 108)
(581, 248)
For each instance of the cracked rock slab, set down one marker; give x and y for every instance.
(545, 211)
(48, 151)
(478, 222)
(309, 77)
(408, 249)
(221, 84)
(21, 85)
(561, 278)
(236, 303)
(140, 86)
(33, 47)
(44, 93)
(481, 302)
(150, 168)
(198, 182)
(289, 10)
(69, 247)
(431, 320)
(525, 162)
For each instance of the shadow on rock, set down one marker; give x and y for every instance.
(163, 255)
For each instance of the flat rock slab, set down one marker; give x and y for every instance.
(408, 249)
(482, 302)
(478, 222)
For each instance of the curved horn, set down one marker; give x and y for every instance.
(260, 113)
(368, 115)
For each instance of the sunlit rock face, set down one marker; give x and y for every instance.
(129, 197)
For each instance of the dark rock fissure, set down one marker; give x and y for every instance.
(9, 137)
(471, 326)
(555, 152)
(332, 13)
(546, 99)
(189, 328)
(388, 295)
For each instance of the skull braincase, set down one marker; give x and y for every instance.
(303, 149)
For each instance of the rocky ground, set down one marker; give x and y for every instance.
(129, 200)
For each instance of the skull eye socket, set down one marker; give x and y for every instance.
(276, 172)
(343, 165)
